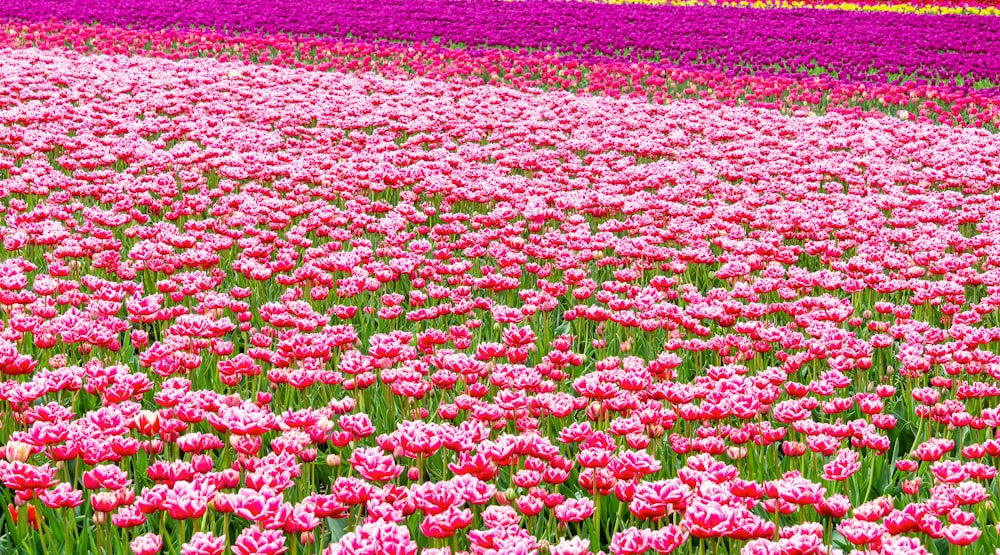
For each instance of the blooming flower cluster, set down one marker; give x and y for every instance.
(249, 308)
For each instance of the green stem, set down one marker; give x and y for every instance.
(66, 542)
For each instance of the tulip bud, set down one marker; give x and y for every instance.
(325, 424)
(104, 502)
(147, 422)
(737, 452)
(595, 410)
(202, 463)
(17, 451)
(230, 478)
(332, 460)
(793, 448)
(510, 493)
(152, 447)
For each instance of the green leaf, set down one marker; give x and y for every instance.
(337, 527)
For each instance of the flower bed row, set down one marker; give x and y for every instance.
(278, 310)
(524, 70)
(849, 46)
(934, 7)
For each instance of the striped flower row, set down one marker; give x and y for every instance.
(919, 7)
(524, 71)
(875, 48)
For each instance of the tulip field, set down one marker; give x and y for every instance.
(499, 277)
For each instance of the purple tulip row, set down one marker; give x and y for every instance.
(872, 47)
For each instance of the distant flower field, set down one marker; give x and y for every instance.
(482, 277)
